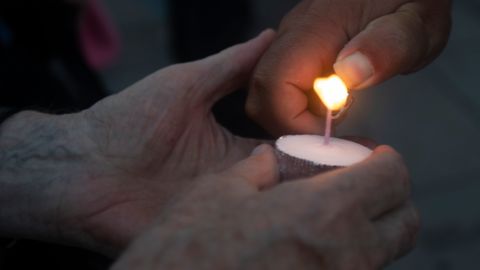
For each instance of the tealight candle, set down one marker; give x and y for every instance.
(307, 155)
(302, 156)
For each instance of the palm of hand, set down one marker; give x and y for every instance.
(151, 141)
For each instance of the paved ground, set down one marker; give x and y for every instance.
(432, 118)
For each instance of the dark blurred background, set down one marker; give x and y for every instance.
(431, 117)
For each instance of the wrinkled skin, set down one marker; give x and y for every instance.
(317, 37)
(354, 218)
(97, 178)
(153, 139)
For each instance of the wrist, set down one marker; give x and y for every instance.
(39, 155)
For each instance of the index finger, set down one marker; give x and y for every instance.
(378, 184)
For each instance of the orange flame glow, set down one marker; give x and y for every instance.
(332, 91)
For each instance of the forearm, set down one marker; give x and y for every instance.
(36, 150)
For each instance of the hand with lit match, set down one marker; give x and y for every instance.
(364, 42)
(352, 218)
(97, 178)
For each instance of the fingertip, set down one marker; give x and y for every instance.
(268, 34)
(261, 150)
(264, 155)
(392, 161)
(260, 168)
(231, 69)
(260, 43)
(384, 149)
(385, 159)
(387, 150)
(356, 70)
(387, 154)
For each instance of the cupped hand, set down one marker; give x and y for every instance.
(147, 144)
(364, 42)
(354, 218)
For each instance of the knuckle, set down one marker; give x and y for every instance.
(348, 208)
(396, 167)
(400, 168)
(413, 226)
(405, 34)
(409, 232)
(362, 260)
(401, 171)
(334, 212)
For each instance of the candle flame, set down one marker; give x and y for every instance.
(332, 91)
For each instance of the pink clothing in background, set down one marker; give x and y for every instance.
(99, 39)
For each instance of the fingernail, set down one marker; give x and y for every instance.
(354, 69)
(259, 150)
(268, 31)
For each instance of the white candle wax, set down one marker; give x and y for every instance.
(307, 155)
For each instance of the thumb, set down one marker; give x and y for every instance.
(396, 43)
(259, 171)
(221, 74)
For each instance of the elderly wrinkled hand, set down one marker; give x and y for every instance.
(241, 218)
(97, 178)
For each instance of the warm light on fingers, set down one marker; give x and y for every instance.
(332, 91)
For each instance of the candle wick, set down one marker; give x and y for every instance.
(328, 128)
